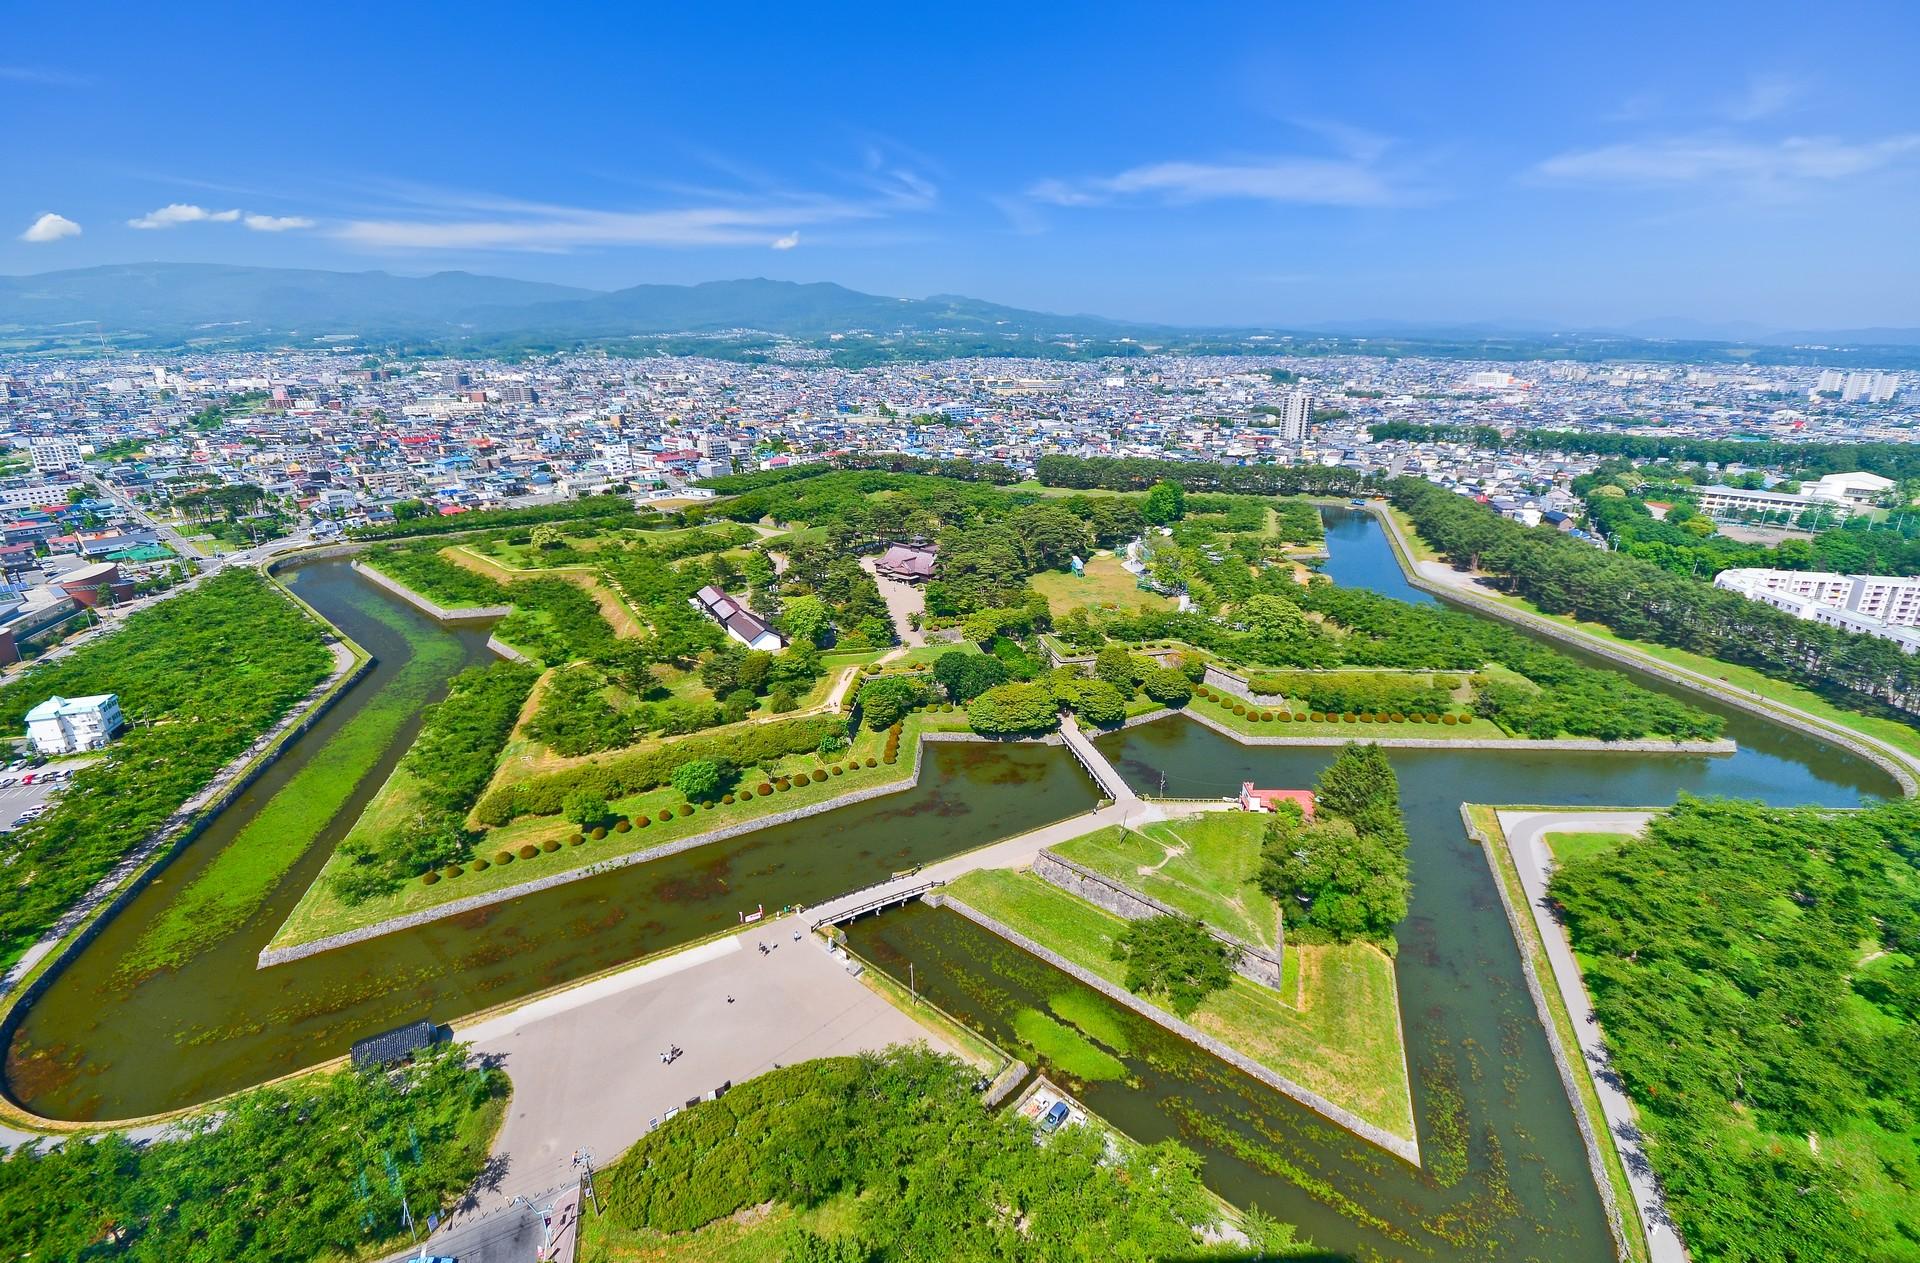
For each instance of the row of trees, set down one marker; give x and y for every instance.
(1899, 461)
(1640, 600)
(1414, 432)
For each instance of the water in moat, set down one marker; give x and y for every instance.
(97, 1045)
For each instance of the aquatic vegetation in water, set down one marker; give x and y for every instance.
(1064, 1048)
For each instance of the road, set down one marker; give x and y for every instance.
(903, 602)
(1526, 840)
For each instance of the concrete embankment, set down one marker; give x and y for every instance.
(459, 614)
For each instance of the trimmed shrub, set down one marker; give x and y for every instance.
(891, 759)
(451, 871)
(1448, 720)
(707, 806)
(480, 865)
(503, 857)
(1433, 717)
(1266, 716)
(784, 784)
(1396, 717)
(1350, 718)
(834, 770)
(599, 831)
(643, 822)
(763, 788)
(801, 778)
(1299, 716)
(430, 877)
(1465, 718)
(872, 762)
(1379, 716)
(726, 800)
(666, 814)
(577, 839)
(1239, 708)
(1366, 718)
(528, 851)
(622, 825)
(550, 845)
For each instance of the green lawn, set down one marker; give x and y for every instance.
(1567, 847)
(1203, 865)
(1486, 822)
(1107, 585)
(753, 1236)
(1340, 1038)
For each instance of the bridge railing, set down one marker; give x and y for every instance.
(875, 904)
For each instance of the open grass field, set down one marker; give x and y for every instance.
(1567, 847)
(1107, 585)
(1203, 865)
(320, 913)
(1337, 1034)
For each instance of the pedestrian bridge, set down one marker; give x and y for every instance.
(1113, 786)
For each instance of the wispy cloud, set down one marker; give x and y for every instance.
(1684, 160)
(787, 242)
(1763, 97)
(1297, 181)
(44, 77)
(177, 213)
(275, 223)
(50, 227)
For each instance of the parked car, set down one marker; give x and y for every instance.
(7, 780)
(1051, 1120)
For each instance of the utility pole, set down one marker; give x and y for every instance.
(913, 986)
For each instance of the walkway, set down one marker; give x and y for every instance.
(1526, 840)
(903, 602)
(1111, 783)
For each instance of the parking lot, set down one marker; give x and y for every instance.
(21, 798)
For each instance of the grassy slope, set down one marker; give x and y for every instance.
(752, 1236)
(320, 913)
(1203, 865)
(232, 888)
(1342, 1040)
(1487, 822)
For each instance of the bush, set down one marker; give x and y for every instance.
(1299, 716)
(528, 851)
(451, 871)
(763, 789)
(834, 770)
(666, 814)
(622, 825)
(578, 839)
(552, 844)
(480, 865)
(1266, 716)
(1448, 720)
(726, 800)
(1319, 717)
(1366, 717)
(1350, 718)
(783, 783)
(871, 761)
(643, 821)
(801, 778)
(1379, 716)
(599, 831)
(503, 857)
(1397, 717)
(430, 878)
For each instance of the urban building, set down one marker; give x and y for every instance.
(740, 622)
(54, 455)
(1873, 605)
(65, 725)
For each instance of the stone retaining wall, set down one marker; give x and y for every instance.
(1399, 1146)
(1254, 963)
(465, 613)
(1522, 936)
(1368, 733)
(508, 652)
(282, 955)
(1755, 705)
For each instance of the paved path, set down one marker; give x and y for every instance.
(586, 1062)
(903, 602)
(1104, 774)
(1526, 840)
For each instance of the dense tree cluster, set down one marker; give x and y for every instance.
(933, 1174)
(199, 677)
(1754, 970)
(1137, 473)
(1414, 432)
(1176, 957)
(891, 698)
(1343, 875)
(613, 509)
(1370, 691)
(1899, 461)
(307, 1170)
(1685, 543)
(1640, 600)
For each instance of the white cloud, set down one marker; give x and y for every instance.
(1298, 181)
(559, 228)
(275, 223)
(787, 242)
(50, 227)
(177, 213)
(1794, 160)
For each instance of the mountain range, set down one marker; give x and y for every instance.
(157, 305)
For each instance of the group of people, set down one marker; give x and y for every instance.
(671, 1055)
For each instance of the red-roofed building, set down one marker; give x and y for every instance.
(1252, 799)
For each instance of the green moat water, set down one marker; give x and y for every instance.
(100, 1044)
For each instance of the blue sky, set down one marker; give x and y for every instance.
(1280, 164)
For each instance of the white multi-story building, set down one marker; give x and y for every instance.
(1856, 487)
(1294, 416)
(63, 725)
(54, 455)
(1875, 605)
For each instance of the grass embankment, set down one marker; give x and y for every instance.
(234, 886)
(619, 615)
(322, 913)
(1106, 585)
(1203, 865)
(1464, 727)
(754, 1235)
(1486, 821)
(1337, 1035)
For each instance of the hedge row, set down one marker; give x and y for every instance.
(634, 772)
(1246, 710)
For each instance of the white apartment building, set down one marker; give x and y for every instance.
(1840, 492)
(1874, 605)
(55, 455)
(1294, 416)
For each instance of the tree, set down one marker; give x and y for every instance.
(806, 619)
(1118, 667)
(1050, 536)
(967, 675)
(1175, 957)
(1167, 686)
(697, 781)
(891, 698)
(546, 537)
(1011, 709)
(1097, 702)
(1165, 502)
(1274, 619)
(584, 807)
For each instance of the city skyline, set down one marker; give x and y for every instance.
(1725, 169)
